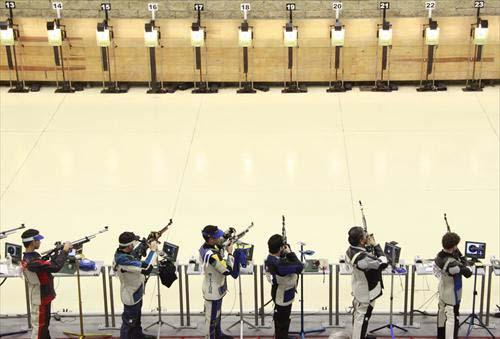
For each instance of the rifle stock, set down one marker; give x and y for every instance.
(235, 238)
(141, 250)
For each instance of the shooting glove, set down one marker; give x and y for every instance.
(147, 270)
(153, 245)
(370, 240)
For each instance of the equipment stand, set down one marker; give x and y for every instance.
(303, 331)
(82, 334)
(59, 56)
(19, 85)
(59, 60)
(112, 87)
(242, 321)
(474, 84)
(246, 86)
(429, 85)
(292, 86)
(13, 64)
(338, 85)
(202, 86)
(160, 321)
(154, 86)
(473, 319)
(384, 85)
(391, 324)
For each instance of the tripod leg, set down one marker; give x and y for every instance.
(380, 328)
(400, 328)
(488, 330)
(464, 321)
(477, 323)
(471, 324)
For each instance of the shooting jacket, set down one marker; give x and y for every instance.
(129, 270)
(450, 268)
(215, 270)
(283, 272)
(38, 274)
(366, 281)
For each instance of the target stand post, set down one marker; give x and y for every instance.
(10, 37)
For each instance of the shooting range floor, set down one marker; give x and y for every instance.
(92, 324)
(73, 163)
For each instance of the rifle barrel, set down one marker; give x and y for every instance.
(363, 218)
(447, 225)
(12, 230)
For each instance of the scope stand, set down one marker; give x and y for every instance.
(475, 84)
(391, 324)
(303, 332)
(429, 85)
(160, 321)
(242, 321)
(473, 319)
(82, 334)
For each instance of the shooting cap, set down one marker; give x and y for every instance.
(274, 243)
(211, 231)
(356, 234)
(31, 235)
(127, 238)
